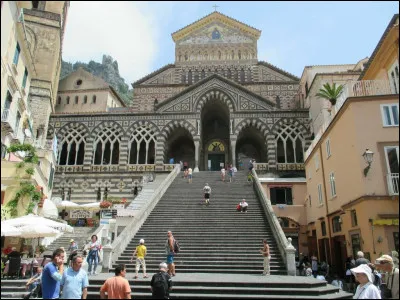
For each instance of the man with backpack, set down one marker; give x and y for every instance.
(161, 283)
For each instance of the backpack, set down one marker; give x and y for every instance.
(324, 267)
(177, 247)
(160, 285)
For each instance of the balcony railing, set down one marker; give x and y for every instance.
(8, 118)
(352, 89)
(393, 183)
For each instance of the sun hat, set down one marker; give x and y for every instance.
(71, 240)
(363, 269)
(385, 258)
(141, 241)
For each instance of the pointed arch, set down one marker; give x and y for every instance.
(72, 139)
(250, 122)
(107, 138)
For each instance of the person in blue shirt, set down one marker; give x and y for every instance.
(52, 275)
(75, 280)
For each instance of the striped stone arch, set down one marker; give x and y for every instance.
(68, 127)
(250, 122)
(153, 127)
(167, 129)
(214, 94)
(106, 124)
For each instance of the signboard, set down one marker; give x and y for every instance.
(108, 214)
(104, 221)
(116, 206)
(81, 214)
(386, 222)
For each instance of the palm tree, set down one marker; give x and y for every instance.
(330, 93)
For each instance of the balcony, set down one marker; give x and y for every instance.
(7, 120)
(361, 88)
(393, 183)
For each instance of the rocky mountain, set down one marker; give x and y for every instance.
(107, 70)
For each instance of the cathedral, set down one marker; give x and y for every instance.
(215, 104)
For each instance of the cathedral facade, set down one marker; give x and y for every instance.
(216, 104)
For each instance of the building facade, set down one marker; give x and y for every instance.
(353, 199)
(215, 104)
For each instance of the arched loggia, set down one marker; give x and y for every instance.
(250, 145)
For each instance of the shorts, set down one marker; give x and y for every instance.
(170, 258)
(207, 196)
(190, 176)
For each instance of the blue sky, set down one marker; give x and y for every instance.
(294, 34)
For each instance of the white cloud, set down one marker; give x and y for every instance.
(121, 29)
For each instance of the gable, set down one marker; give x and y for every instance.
(81, 80)
(165, 77)
(268, 72)
(234, 96)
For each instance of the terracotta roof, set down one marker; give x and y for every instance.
(192, 87)
(264, 63)
(378, 46)
(215, 12)
(152, 74)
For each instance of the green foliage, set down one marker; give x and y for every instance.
(30, 171)
(330, 93)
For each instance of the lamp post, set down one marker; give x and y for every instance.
(368, 157)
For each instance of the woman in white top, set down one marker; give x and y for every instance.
(366, 289)
(223, 172)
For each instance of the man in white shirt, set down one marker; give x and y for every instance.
(207, 193)
(244, 205)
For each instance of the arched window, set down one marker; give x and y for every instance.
(233, 55)
(248, 75)
(239, 55)
(72, 147)
(94, 99)
(85, 99)
(229, 75)
(241, 75)
(289, 145)
(219, 55)
(142, 146)
(76, 99)
(59, 100)
(67, 99)
(183, 77)
(196, 76)
(190, 79)
(203, 74)
(106, 146)
(186, 56)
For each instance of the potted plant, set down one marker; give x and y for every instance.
(330, 93)
(105, 204)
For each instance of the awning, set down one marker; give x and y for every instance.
(386, 222)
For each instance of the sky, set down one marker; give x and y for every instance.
(293, 34)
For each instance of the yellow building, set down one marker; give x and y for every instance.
(31, 42)
(352, 166)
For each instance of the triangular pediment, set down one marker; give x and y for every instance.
(81, 80)
(224, 28)
(235, 96)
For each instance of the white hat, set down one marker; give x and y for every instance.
(141, 241)
(363, 269)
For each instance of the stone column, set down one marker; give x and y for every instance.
(107, 255)
(233, 149)
(290, 258)
(196, 155)
(159, 159)
(271, 148)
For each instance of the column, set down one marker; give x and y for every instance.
(159, 159)
(233, 148)
(271, 148)
(196, 155)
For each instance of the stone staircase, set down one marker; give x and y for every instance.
(80, 236)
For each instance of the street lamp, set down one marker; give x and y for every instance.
(368, 157)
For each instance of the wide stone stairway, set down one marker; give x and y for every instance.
(219, 255)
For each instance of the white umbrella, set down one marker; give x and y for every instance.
(49, 209)
(34, 219)
(37, 231)
(8, 230)
(91, 206)
(67, 204)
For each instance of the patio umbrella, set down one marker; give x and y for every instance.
(8, 230)
(34, 219)
(67, 204)
(49, 209)
(37, 231)
(95, 206)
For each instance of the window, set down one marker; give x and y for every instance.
(3, 151)
(142, 146)
(85, 99)
(76, 99)
(25, 78)
(94, 99)
(337, 224)
(16, 54)
(281, 196)
(17, 121)
(72, 147)
(59, 100)
(67, 99)
(353, 216)
(333, 185)
(106, 146)
(323, 228)
(51, 176)
(7, 104)
(316, 160)
(190, 81)
(390, 114)
(320, 198)
(392, 167)
(289, 145)
(393, 75)
(328, 147)
(396, 240)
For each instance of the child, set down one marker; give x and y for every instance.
(223, 172)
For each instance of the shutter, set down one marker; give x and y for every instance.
(273, 196)
(289, 200)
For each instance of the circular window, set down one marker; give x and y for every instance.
(79, 82)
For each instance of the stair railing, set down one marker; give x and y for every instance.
(111, 252)
(284, 244)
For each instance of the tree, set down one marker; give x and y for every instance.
(330, 93)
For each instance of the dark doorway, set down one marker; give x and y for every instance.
(180, 147)
(215, 161)
(339, 254)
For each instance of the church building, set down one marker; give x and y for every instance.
(215, 104)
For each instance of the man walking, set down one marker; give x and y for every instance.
(161, 283)
(207, 192)
(52, 275)
(116, 287)
(190, 175)
(170, 251)
(360, 259)
(265, 253)
(75, 280)
(140, 252)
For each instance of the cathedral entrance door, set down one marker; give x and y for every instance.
(215, 160)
